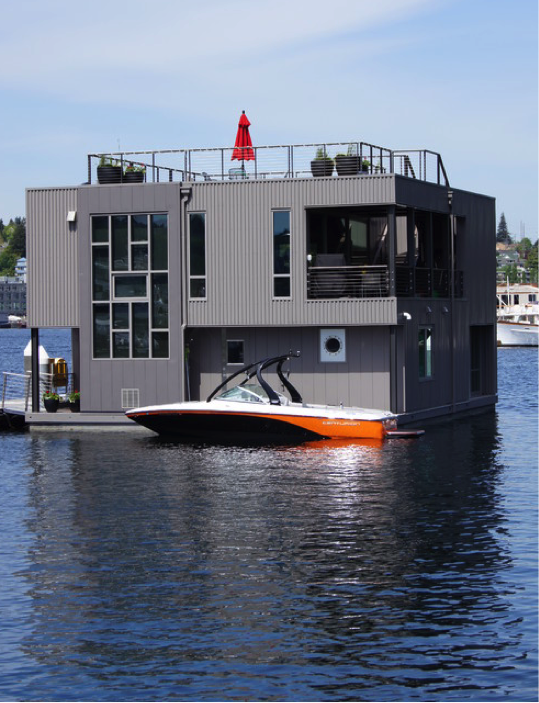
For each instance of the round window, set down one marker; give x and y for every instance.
(333, 345)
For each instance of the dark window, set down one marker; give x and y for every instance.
(197, 255)
(126, 330)
(281, 254)
(235, 351)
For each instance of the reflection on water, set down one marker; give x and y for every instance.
(374, 572)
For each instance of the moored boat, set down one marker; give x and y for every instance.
(517, 315)
(253, 411)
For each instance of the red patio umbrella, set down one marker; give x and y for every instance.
(243, 148)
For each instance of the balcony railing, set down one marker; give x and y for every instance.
(347, 282)
(427, 283)
(329, 282)
(284, 161)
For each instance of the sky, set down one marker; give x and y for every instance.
(458, 77)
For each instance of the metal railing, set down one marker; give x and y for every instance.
(347, 282)
(427, 283)
(279, 161)
(17, 389)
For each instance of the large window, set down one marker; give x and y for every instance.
(281, 254)
(130, 286)
(425, 352)
(197, 255)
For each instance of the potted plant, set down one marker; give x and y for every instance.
(365, 165)
(74, 401)
(322, 164)
(348, 164)
(51, 400)
(109, 171)
(134, 173)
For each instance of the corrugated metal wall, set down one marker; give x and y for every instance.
(362, 380)
(52, 245)
(156, 380)
(239, 251)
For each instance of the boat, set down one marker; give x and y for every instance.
(517, 315)
(252, 411)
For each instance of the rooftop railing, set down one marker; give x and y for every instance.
(271, 162)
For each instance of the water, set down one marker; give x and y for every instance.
(136, 569)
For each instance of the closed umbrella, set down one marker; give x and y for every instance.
(243, 148)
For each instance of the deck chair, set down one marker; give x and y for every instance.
(237, 174)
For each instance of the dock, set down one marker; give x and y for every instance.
(16, 412)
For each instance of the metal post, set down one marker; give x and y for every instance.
(391, 247)
(34, 336)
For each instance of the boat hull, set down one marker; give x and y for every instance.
(259, 427)
(517, 334)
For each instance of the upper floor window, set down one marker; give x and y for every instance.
(197, 255)
(130, 286)
(281, 254)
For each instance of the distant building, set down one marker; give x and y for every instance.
(384, 277)
(12, 297)
(20, 269)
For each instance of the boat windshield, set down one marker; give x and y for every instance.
(249, 393)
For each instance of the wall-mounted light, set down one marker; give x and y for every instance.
(445, 310)
(428, 310)
(72, 216)
(406, 316)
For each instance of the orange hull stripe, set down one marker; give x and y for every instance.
(334, 428)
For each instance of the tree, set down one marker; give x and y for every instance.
(532, 263)
(502, 234)
(17, 241)
(524, 247)
(15, 235)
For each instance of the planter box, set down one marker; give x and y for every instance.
(321, 167)
(51, 404)
(109, 174)
(348, 165)
(133, 176)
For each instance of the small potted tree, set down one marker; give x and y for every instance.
(322, 164)
(109, 171)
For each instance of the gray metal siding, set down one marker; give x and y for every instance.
(240, 256)
(157, 380)
(362, 380)
(53, 262)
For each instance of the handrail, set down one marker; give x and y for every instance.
(276, 161)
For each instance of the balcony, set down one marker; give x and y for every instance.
(360, 282)
(272, 162)
(326, 282)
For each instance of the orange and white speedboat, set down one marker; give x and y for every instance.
(253, 411)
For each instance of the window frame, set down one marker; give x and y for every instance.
(426, 353)
(99, 303)
(197, 277)
(277, 276)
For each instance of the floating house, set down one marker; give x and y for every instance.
(172, 268)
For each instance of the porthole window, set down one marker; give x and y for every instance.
(332, 345)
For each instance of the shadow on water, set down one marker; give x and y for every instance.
(160, 570)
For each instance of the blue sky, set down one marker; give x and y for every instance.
(458, 77)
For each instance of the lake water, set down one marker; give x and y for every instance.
(136, 569)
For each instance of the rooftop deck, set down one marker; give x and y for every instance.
(273, 162)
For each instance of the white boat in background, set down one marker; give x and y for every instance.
(517, 315)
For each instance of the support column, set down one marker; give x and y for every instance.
(34, 337)
(391, 248)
